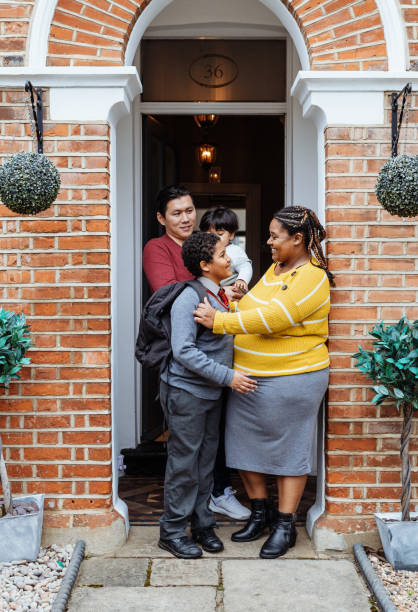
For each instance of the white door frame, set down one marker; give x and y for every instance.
(188, 108)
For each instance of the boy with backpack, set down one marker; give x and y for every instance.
(191, 396)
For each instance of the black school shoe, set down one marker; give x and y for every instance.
(282, 537)
(208, 539)
(182, 547)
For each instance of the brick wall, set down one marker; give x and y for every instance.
(340, 35)
(55, 267)
(409, 10)
(374, 257)
(14, 27)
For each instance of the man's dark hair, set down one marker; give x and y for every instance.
(198, 247)
(219, 218)
(169, 193)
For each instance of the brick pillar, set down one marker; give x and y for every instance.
(56, 421)
(374, 258)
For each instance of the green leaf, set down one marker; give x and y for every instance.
(398, 393)
(381, 389)
(378, 399)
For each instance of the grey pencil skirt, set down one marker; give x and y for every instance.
(272, 430)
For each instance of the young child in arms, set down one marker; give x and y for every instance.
(224, 223)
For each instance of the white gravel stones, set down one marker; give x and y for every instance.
(27, 586)
(402, 586)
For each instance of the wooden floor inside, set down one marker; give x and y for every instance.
(144, 497)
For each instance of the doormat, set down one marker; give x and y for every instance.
(144, 496)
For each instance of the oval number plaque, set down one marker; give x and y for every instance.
(213, 70)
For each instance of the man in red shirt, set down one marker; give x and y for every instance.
(163, 265)
(162, 260)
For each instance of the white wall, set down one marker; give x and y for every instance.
(304, 156)
(183, 12)
(123, 284)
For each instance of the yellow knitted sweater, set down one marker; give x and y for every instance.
(281, 325)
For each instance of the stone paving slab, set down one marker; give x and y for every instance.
(142, 543)
(113, 572)
(148, 599)
(301, 586)
(188, 572)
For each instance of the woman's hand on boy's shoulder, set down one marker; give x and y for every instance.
(205, 314)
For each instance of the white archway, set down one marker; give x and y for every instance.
(390, 12)
(276, 7)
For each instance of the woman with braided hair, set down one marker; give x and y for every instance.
(281, 329)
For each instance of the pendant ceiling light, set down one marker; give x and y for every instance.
(206, 121)
(206, 154)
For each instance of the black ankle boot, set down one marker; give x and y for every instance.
(271, 507)
(256, 524)
(282, 537)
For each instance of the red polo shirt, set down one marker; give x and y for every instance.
(163, 263)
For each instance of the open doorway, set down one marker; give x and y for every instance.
(250, 166)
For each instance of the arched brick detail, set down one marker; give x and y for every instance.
(339, 34)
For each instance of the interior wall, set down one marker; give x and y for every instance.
(250, 150)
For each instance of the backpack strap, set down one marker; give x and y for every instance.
(201, 292)
(199, 288)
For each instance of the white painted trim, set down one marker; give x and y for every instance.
(216, 30)
(355, 98)
(395, 34)
(288, 127)
(318, 507)
(276, 7)
(220, 108)
(43, 13)
(82, 76)
(80, 94)
(145, 19)
(137, 221)
(119, 505)
(330, 80)
(286, 18)
(389, 10)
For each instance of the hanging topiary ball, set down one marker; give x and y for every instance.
(397, 186)
(29, 183)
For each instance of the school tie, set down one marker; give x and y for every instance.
(222, 296)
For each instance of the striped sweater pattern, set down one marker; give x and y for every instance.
(281, 325)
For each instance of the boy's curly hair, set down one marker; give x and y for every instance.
(198, 247)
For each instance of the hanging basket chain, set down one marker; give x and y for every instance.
(31, 121)
(26, 101)
(397, 123)
(37, 113)
(406, 464)
(408, 105)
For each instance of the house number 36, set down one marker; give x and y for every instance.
(213, 70)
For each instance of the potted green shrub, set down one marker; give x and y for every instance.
(392, 365)
(29, 183)
(21, 518)
(397, 186)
